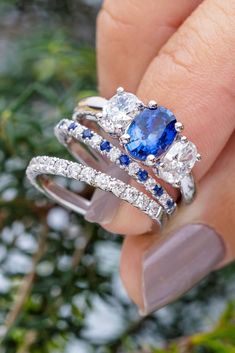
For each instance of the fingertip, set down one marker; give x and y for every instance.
(128, 220)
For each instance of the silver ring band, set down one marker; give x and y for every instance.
(41, 167)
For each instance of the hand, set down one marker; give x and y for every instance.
(182, 54)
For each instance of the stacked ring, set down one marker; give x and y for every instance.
(143, 140)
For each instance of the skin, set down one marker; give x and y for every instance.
(180, 54)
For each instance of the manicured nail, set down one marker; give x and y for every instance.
(177, 263)
(104, 205)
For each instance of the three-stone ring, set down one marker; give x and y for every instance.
(143, 140)
(149, 134)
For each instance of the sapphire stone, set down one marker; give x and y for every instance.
(170, 203)
(105, 146)
(158, 190)
(124, 160)
(87, 134)
(72, 126)
(151, 132)
(142, 175)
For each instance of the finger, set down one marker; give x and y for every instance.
(129, 35)
(156, 271)
(192, 76)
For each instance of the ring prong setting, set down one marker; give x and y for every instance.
(125, 138)
(198, 157)
(179, 126)
(150, 160)
(99, 116)
(184, 139)
(152, 104)
(120, 90)
(118, 129)
(177, 184)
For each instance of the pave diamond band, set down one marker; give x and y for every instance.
(67, 129)
(41, 167)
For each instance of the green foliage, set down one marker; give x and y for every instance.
(52, 279)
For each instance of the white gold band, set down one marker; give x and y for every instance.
(41, 168)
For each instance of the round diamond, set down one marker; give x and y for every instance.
(102, 181)
(116, 111)
(142, 201)
(133, 168)
(117, 187)
(130, 194)
(153, 208)
(151, 133)
(96, 140)
(150, 183)
(178, 161)
(114, 154)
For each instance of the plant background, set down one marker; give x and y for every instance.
(60, 289)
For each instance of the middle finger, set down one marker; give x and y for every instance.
(130, 34)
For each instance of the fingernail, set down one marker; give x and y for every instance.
(104, 205)
(177, 263)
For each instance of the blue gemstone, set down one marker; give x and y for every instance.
(151, 132)
(158, 190)
(142, 175)
(124, 160)
(72, 126)
(87, 134)
(105, 146)
(170, 203)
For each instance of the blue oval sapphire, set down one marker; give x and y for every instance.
(151, 132)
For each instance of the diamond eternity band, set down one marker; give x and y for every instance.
(41, 168)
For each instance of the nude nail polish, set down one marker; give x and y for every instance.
(177, 262)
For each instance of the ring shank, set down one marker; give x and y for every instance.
(65, 197)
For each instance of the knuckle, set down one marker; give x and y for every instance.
(179, 59)
(112, 22)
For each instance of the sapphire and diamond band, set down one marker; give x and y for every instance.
(67, 129)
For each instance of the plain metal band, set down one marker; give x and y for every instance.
(41, 168)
